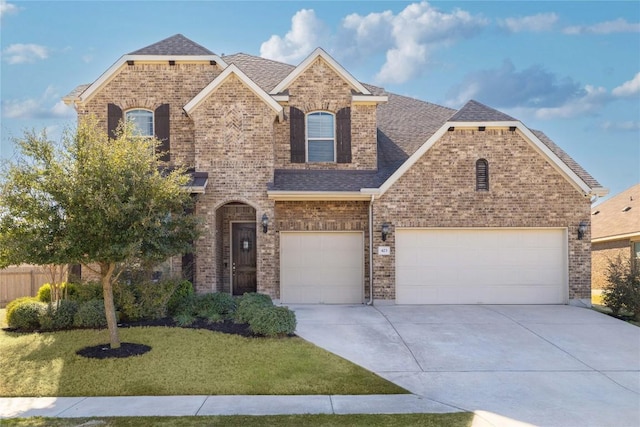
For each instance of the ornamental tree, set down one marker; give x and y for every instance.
(93, 200)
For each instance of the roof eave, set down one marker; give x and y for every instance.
(635, 235)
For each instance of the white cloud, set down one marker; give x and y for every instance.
(414, 33)
(592, 101)
(7, 8)
(20, 53)
(307, 32)
(533, 23)
(628, 126)
(619, 25)
(48, 106)
(629, 88)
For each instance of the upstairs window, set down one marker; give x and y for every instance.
(482, 175)
(142, 120)
(321, 137)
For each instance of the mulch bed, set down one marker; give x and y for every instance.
(104, 351)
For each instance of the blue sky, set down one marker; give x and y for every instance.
(570, 69)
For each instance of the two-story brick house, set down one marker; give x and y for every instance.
(315, 187)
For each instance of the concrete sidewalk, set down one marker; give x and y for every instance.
(75, 407)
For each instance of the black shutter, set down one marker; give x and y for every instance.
(482, 175)
(161, 123)
(297, 135)
(343, 135)
(114, 115)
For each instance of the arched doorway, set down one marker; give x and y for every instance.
(236, 248)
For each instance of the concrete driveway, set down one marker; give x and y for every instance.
(511, 365)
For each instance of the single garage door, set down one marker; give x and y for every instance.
(481, 266)
(321, 267)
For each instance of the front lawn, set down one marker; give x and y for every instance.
(181, 362)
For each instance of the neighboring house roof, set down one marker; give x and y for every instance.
(617, 217)
(174, 45)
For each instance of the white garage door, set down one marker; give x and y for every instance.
(481, 266)
(321, 267)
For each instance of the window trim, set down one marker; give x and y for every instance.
(153, 120)
(482, 184)
(306, 136)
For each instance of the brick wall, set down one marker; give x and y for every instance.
(525, 191)
(146, 85)
(320, 88)
(601, 254)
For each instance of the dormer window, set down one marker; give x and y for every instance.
(321, 137)
(142, 120)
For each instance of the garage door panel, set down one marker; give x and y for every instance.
(321, 267)
(490, 266)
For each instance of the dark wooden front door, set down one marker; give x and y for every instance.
(243, 267)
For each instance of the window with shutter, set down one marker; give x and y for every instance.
(162, 130)
(343, 135)
(297, 135)
(482, 175)
(142, 121)
(321, 137)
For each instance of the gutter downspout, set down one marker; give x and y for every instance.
(370, 302)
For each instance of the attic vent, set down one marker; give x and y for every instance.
(129, 62)
(172, 62)
(595, 213)
(212, 62)
(482, 128)
(627, 209)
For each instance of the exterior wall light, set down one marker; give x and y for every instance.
(265, 223)
(582, 228)
(385, 231)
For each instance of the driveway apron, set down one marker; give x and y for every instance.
(510, 365)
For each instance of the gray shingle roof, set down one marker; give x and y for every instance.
(264, 72)
(75, 93)
(473, 111)
(323, 180)
(174, 45)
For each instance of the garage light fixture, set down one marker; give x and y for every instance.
(582, 228)
(265, 223)
(385, 231)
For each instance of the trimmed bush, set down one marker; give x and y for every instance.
(124, 299)
(59, 316)
(623, 292)
(153, 298)
(87, 292)
(24, 314)
(90, 315)
(13, 304)
(183, 289)
(249, 304)
(44, 293)
(273, 321)
(216, 306)
(68, 289)
(186, 306)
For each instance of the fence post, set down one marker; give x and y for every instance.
(33, 281)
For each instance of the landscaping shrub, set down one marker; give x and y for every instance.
(152, 298)
(216, 306)
(124, 299)
(67, 290)
(90, 315)
(184, 319)
(87, 292)
(186, 306)
(249, 304)
(623, 292)
(24, 314)
(183, 290)
(273, 321)
(59, 315)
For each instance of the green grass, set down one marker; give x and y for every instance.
(181, 362)
(460, 419)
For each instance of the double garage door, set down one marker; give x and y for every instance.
(481, 266)
(433, 266)
(321, 267)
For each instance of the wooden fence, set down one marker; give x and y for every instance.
(23, 281)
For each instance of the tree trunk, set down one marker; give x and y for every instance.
(106, 272)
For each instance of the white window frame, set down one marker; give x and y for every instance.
(306, 136)
(153, 120)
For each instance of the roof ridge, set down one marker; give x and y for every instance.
(474, 111)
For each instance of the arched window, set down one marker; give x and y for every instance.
(142, 120)
(482, 175)
(321, 137)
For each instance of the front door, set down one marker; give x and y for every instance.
(243, 267)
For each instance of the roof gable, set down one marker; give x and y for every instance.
(174, 45)
(473, 111)
(304, 65)
(218, 81)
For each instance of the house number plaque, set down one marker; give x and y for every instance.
(384, 250)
